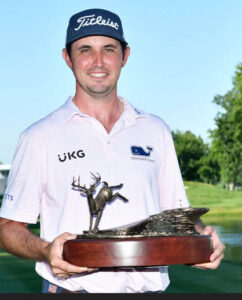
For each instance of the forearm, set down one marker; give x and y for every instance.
(16, 239)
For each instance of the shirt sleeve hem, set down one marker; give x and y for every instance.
(19, 217)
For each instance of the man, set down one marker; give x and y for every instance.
(94, 131)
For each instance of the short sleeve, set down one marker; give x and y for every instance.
(171, 187)
(25, 185)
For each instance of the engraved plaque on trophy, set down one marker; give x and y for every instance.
(165, 238)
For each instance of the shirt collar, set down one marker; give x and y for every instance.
(131, 110)
(130, 113)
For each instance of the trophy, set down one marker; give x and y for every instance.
(165, 238)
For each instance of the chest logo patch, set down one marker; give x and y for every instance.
(137, 150)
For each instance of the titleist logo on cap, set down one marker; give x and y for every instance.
(93, 20)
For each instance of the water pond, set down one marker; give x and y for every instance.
(230, 234)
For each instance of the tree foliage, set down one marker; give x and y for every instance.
(197, 161)
(227, 136)
(190, 149)
(209, 170)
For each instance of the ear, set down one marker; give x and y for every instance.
(126, 55)
(67, 58)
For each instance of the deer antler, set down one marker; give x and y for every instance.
(96, 178)
(78, 186)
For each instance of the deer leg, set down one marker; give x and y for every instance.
(99, 214)
(90, 226)
(120, 196)
(116, 186)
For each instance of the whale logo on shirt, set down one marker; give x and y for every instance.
(137, 150)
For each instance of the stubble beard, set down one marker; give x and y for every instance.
(97, 92)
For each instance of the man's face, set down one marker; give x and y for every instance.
(96, 62)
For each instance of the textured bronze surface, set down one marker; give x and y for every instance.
(173, 222)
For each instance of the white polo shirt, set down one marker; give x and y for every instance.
(138, 152)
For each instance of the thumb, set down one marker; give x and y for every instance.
(208, 230)
(67, 236)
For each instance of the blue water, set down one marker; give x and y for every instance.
(228, 236)
(231, 236)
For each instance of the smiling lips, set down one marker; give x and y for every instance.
(98, 75)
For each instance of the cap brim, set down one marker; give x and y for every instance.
(99, 34)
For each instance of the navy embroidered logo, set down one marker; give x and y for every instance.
(136, 150)
(71, 155)
(140, 153)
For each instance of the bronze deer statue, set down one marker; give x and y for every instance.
(97, 204)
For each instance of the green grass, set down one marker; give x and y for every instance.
(17, 275)
(224, 205)
(226, 279)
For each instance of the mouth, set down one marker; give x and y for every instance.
(98, 75)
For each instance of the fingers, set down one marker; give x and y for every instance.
(218, 250)
(56, 247)
(218, 247)
(215, 260)
(218, 253)
(208, 230)
(90, 270)
(64, 275)
(210, 265)
(59, 264)
(64, 237)
(61, 268)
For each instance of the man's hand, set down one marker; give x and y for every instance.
(16, 239)
(218, 250)
(59, 267)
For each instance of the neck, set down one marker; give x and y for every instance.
(107, 110)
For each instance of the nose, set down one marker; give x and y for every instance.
(98, 59)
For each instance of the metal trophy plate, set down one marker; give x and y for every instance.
(166, 238)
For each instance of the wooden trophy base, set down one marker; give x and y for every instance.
(141, 251)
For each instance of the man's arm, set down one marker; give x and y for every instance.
(16, 239)
(218, 247)
(19, 241)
